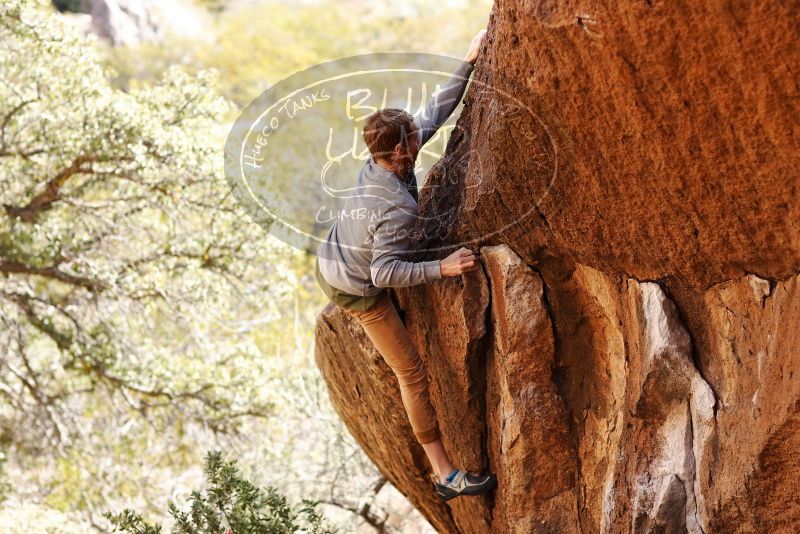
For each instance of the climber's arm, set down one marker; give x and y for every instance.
(444, 102)
(390, 245)
(391, 242)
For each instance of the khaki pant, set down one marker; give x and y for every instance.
(390, 337)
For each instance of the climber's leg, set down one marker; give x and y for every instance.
(439, 459)
(389, 335)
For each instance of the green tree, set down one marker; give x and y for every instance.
(119, 240)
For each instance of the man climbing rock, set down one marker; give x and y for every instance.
(362, 257)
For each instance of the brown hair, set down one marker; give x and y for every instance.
(385, 128)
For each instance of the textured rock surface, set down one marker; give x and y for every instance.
(625, 360)
(527, 421)
(661, 138)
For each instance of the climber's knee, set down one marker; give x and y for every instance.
(412, 374)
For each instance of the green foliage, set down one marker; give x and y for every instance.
(260, 43)
(5, 488)
(71, 6)
(124, 260)
(231, 505)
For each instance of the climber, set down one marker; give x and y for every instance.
(356, 277)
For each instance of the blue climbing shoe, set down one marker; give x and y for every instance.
(460, 482)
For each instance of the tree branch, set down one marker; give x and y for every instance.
(51, 272)
(44, 200)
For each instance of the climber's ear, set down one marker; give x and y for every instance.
(398, 151)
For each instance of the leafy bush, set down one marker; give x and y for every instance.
(232, 505)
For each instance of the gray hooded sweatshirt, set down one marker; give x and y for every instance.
(367, 245)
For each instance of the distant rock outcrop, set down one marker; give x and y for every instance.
(625, 359)
(130, 22)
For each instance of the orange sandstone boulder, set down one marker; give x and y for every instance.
(627, 358)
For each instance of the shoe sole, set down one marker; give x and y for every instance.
(478, 490)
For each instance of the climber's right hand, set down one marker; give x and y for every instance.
(461, 261)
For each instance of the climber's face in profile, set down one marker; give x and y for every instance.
(405, 153)
(393, 139)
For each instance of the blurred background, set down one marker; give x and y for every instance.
(145, 318)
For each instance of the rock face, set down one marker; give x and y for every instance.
(625, 359)
(130, 22)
